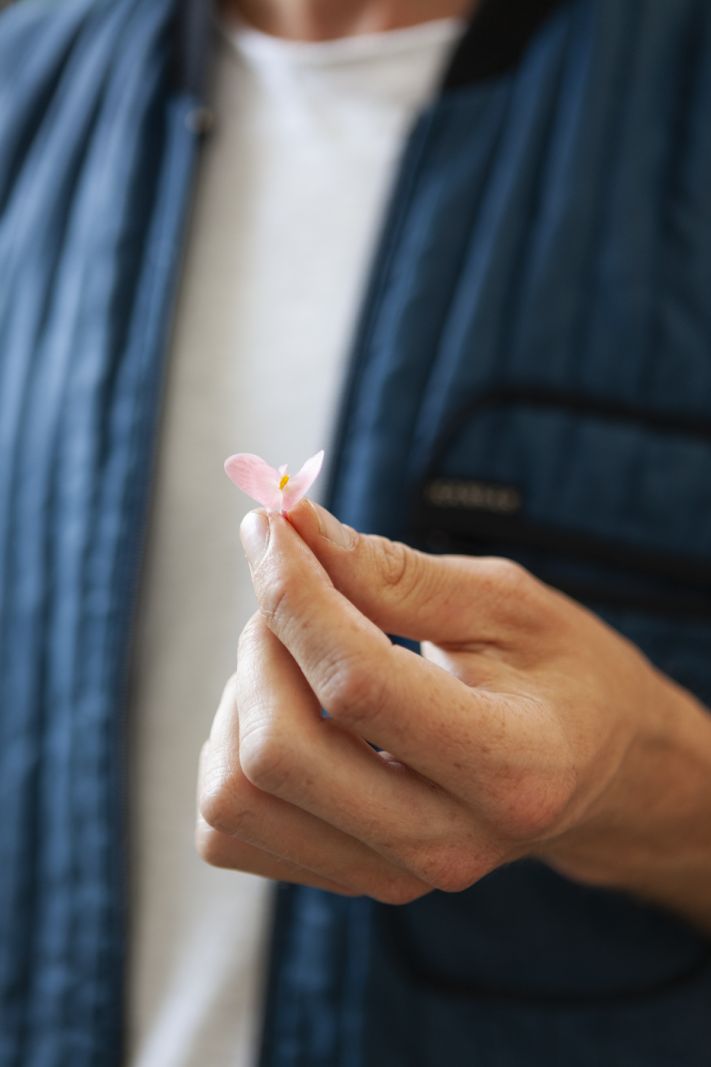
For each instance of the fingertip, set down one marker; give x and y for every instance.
(314, 522)
(291, 535)
(304, 519)
(254, 535)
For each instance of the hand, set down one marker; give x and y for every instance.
(527, 728)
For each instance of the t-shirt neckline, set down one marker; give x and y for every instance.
(263, 48)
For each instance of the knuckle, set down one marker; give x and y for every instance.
(513, 592)
(275, 595)
(222, 804)
(400, 889)
(405, 573)
(209, 845)
(534, 806)
(506, 574)
(450, 867)
(221, 850)
(267, 758)
(216, 806)
(352, 689)
(396, 563)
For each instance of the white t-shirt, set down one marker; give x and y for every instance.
(292, 186)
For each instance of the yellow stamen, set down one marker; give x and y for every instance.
(284, 480)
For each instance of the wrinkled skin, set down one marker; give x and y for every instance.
(527, 727)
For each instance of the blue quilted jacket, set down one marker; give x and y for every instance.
(531, 376)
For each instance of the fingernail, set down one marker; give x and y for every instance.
(332, 529)
(254, 534)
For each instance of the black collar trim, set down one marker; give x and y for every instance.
(497, 36)
(495, 40)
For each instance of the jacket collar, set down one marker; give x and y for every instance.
(494, 40)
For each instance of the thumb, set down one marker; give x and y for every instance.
(403, 591)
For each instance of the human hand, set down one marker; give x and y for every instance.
(527, 727)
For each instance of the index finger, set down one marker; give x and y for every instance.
(427, 597)
(394, 698)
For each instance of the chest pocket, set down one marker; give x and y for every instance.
(607, 502)
(612, 505)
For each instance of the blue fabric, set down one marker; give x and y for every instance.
(94, 169)
(550, 238)
(537, 317)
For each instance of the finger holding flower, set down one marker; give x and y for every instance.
(527, 728)
(272, 487)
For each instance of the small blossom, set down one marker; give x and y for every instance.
(272, 487)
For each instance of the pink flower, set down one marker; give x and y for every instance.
(273, 488)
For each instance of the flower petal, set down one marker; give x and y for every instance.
(300, 483)
(256, 478)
